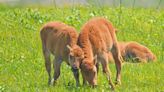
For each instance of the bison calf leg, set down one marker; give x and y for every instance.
(106, 71)
(84, 80)
(57, 64)
(48, 69)
(76, 76)
(97, 67)
(118, 63)
(47, 64)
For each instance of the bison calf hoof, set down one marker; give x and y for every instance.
(112, 87)
(94, 86)
(49, 82)
(53, 82)
(118, 82)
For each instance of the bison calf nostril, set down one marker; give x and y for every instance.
(74, 68)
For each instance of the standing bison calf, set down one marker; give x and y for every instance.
(97, 38)
(134, 51)
(60, 40)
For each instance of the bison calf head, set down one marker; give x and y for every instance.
(151, 57)
(89, 71)
(76, 55)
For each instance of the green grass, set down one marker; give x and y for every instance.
(21, 60)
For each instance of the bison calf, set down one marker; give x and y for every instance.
(97, 38)
(135, 52)
(60, 40)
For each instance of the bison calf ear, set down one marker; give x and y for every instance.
(69, 47)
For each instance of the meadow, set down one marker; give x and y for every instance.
(21, 61)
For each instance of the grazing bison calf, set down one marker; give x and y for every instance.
(97, 38)
(60, 40)
(134, 51)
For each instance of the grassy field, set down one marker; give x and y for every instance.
(21, 60)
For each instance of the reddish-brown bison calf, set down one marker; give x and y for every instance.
(135, 52)
(60, 40)
(97, 38)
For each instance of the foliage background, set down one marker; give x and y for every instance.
(21, 61)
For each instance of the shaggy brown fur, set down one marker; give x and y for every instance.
(134, 51)
(97, 38)
(60, 40)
